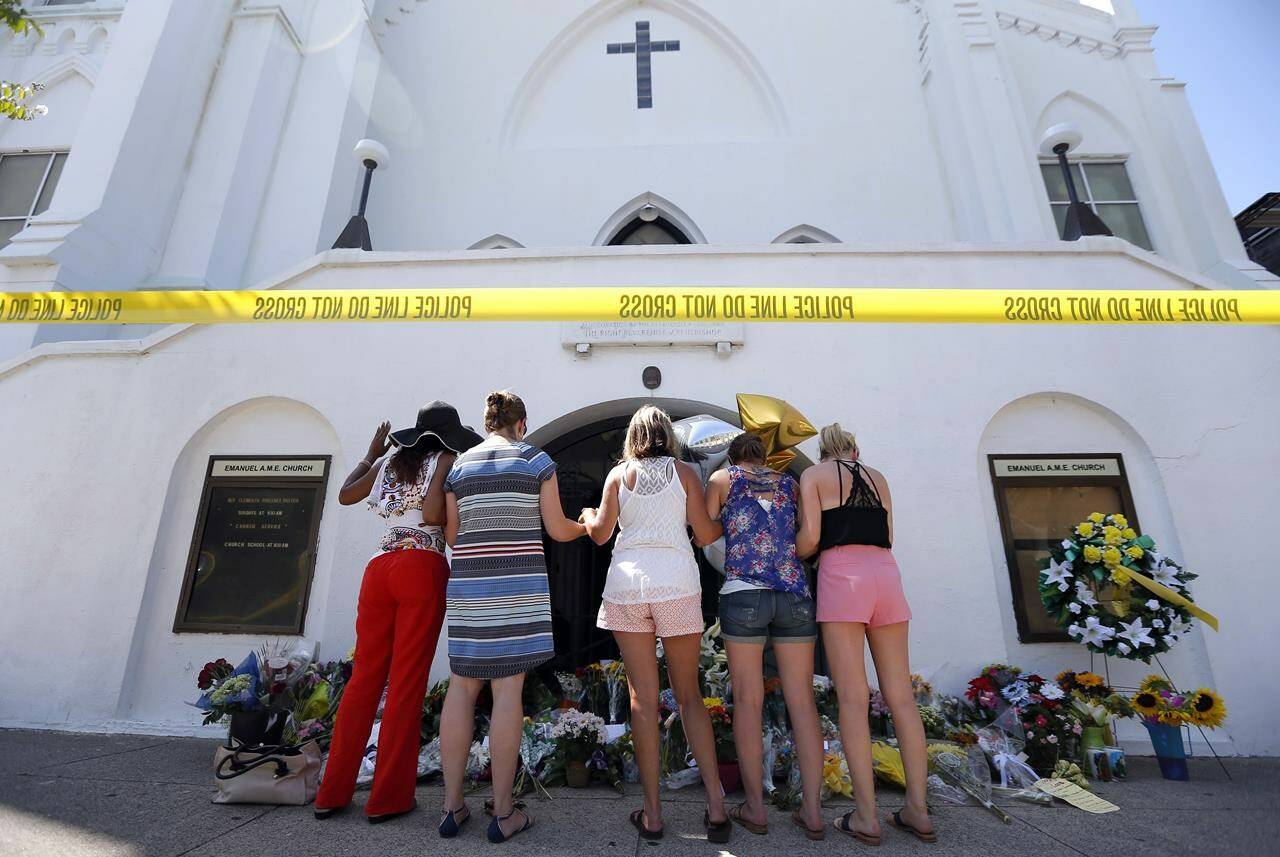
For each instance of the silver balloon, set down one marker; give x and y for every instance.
(708, 439)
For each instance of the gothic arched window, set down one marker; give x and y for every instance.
(657, 231)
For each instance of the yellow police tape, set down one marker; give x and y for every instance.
(620, 303)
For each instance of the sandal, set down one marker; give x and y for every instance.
(495, 833)
(735, 814)
(637, 821)
(809, 832)
(717, 831)
(451, 824)
(842, 824)
(923, 836)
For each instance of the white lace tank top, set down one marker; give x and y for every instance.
(652, 558)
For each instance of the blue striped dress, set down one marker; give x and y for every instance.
(498, 603)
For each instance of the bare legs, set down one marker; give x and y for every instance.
(845, 646)
(457, 722)
(795, 666)
(893, 670)
(639, 655)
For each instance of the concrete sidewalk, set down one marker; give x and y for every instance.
(73, 794)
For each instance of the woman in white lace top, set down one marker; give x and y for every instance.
(653, 590)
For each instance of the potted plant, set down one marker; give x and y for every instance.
(579, 737)
(726, 750)
(1165, 710)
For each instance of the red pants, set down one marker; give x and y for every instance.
(398, 621)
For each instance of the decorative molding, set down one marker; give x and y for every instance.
(922, 39)
(806, 234)
(1064, 38)
(277, 12)
(974, 25)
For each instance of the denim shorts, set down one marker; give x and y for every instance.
(755, 615)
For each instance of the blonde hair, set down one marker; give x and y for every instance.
(502, 410)
(835, 442)
(650, 435)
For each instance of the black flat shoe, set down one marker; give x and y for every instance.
(717, 831)
(329, 812)
(379, 819)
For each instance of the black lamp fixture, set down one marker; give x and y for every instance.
(371, 154)
(1081, 219)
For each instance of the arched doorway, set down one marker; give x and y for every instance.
(586, 445)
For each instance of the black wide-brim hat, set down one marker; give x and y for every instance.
(439, 420)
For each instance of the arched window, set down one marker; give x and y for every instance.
(656, 231)
(806, 234)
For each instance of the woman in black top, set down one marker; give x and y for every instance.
(847, 516)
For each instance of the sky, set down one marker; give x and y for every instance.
(1228, 53)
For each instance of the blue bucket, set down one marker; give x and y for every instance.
(1170, 752)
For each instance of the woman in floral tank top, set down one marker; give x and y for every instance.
(766, 594)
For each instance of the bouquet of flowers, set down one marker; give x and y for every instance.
(878, 715)
(835, 775)
(824, 696)
(1050, 726)
(595, 689)
(1115, 593)
(922, 689)
(1158, 701)
(721, 728)
(228, 690)
(615, 678)
(578, 735)
(1095, 702)
(432, 708)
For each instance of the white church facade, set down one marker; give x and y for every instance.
(885, 143)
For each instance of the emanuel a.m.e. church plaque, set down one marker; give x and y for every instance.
(254, 547)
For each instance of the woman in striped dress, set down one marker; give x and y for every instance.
(498, 496)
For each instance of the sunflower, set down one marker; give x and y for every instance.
(1171, 717)
(1207, 709)
(1155, 682)
(1146, 703)
(1089, 679)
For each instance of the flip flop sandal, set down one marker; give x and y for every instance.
(809, 832)
(717, 831)
(736, 815)
(896, 821)
(452, 824)
(495, 834)
(842, 824)
(637, 821)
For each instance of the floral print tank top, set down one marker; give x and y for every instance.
(760, 543)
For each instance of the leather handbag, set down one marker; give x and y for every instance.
(281, 775)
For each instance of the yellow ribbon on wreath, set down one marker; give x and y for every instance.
(1161, 591)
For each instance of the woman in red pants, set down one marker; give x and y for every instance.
(400, 612)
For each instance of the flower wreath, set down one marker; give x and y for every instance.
(1087, 587)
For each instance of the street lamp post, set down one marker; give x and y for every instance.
(1081, 219)
(355, 236)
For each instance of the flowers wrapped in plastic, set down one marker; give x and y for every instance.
(969, 773)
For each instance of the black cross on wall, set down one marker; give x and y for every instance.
(643, 48)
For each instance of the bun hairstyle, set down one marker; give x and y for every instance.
(746, 447)
(835, 442)
(650, 435)
(502, 410)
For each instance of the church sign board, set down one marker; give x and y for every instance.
(604, 333)
(253, 551)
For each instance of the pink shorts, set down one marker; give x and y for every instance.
(860, 583)
(674, 618)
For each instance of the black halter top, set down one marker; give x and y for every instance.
(861, 519)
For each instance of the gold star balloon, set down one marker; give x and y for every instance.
(777, 423)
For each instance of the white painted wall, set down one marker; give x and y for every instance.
(110, 432)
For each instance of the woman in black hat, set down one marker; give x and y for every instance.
(401, 609)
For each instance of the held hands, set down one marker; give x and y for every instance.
(379, 445)
(587, 515)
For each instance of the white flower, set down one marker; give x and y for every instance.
(1136, 633)
(1052, 739)
(1177, 627)
(1058, 573)
(1067, 544)
(1157, 623)
(1153, 604)
(821, 682)
(1074, 607)
(1051, 690)
(1155, 556)
(1165, 574)
(1124, 649)
(1017, 692)
(1085, 595)
(1093, 633)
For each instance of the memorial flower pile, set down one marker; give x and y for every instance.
(1050, 725)
(578, 735)
(721, 727)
